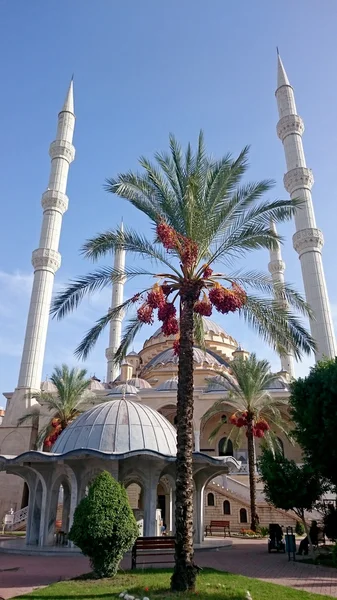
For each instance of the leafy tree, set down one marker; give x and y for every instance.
(104, 526)
(256, 411)
(313, 401)
(299, 528)
(329, 520)
(63, 406)
(289, 486)
(202, 218)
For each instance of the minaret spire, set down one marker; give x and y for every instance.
(46, 259)
(276, 268)
(115, 335)
(282, 78)
(308, 240)
(68, 105)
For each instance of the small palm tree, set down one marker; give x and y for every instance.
(202, 219)
(256, 411)
(63, 406)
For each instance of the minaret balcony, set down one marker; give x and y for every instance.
(297, 179)
(289, 125)
(55, 200)
(62, 149)
(46, 259)
(307, 240)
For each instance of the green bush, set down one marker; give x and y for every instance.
(299, 528)
(104, 526)
(264, 531)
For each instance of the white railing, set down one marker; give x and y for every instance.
(20, 516)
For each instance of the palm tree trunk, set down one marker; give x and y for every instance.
(185, 571)
(252, 479)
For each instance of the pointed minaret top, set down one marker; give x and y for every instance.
(68, 105)
(282, 78)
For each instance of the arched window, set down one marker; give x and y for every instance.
(225, 447)
(243, 515)
(226, 507)
(210, 499)
(280, 445)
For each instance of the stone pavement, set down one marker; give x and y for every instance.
(20, 574)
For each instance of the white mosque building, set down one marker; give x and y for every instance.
(128, 426)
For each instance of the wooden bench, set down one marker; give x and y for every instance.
(224, 525)
(147, 547)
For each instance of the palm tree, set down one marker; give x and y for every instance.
(256, 411)
(63, 406)
(202, 219)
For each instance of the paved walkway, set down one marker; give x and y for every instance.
(21, 574)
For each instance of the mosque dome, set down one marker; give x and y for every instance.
(95, 385)
(139, 383)
(199, 357)
(217, 384)
(119, 427)
(168, 385)
(125, 389)
(209, 328)
(48, 387)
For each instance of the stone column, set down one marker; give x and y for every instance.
(150, 506)
(196, 440)
(199, 514)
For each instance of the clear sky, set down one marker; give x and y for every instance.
(142, 70)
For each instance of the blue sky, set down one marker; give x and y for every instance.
(142, 70)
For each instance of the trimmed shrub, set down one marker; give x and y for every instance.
(104, 525)
(299, 528)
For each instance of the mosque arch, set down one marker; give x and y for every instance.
(243, 515)
(225, 447)
(210, 499)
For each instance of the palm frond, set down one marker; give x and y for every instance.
(277, 326)
(132, 328)
(69, 299)
(83, 349)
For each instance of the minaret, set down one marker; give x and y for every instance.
(276, 268)
(308, 240)
(115, 335)
(46, 259)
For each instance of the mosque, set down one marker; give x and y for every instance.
(128, 426)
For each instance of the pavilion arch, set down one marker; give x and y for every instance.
(37, 496)
(52, 524)
(85, 479)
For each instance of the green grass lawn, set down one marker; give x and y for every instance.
(212, 585)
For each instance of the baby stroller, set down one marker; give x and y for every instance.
(276, 541)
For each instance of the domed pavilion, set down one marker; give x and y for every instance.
(132, 441)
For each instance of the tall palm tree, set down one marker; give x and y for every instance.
(256, 412)
(202, 219)
(63, 406)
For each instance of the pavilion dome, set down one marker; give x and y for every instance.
(119, 427)
(139, 383)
